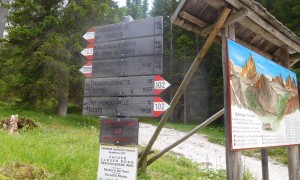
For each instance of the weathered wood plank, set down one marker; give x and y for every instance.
(144, 46)
(177, 10)
(259, 51)
(193, 19)
(131, 66)
(124, 106)
(125, 86)
(266, 26)
(132, 29)
(233, 158)
(241, 14)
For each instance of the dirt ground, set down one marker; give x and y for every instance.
(198, 149)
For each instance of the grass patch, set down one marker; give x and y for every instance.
(68, 148)
(171, 167)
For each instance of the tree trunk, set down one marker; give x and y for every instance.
(63, 97)
(62, 106)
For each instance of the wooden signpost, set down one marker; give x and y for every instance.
(143, 46)
(124, 106)
(125, 86)
(124, 62)
(125, 30)
(131, 66)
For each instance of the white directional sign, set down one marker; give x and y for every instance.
(90, 35)
(88, 52)
(87, 69)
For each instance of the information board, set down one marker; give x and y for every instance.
(264, 101)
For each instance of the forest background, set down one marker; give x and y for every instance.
(40, 56)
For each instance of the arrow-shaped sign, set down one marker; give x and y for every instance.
(90, 35)
(124, 106)
(125, 86)
(87, 69)
(160, 84)
(160, 106)
(88, 52)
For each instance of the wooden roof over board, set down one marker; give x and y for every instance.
(255, 27)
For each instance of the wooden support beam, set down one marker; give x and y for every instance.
(232, 18)
(186, 81)
(294, 59)
(261, 32)
(192, 132)
(177, 10)
(264, 163)
(233, 158)
(193, 19)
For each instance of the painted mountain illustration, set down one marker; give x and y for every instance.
(264, 95)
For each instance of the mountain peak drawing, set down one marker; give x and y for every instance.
(265, 96)
(249, 70)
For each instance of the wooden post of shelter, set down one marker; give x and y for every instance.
(233, 158)
(293, 153)
(186, 81)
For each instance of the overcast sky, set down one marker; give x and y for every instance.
(123, 3)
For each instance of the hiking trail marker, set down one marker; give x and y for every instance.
(125, 86)
(124, 61)
(87, 69)
(124, 106)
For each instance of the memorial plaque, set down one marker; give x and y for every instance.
(119, 131)
(132, 66)
(126, 30)
(125, 86)
(124, 106)
(144, 46)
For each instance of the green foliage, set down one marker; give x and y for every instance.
(137, 9)
(40, 57)
(286, 11)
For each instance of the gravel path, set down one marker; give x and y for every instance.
(198, 149)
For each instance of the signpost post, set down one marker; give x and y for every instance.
(124, 61)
